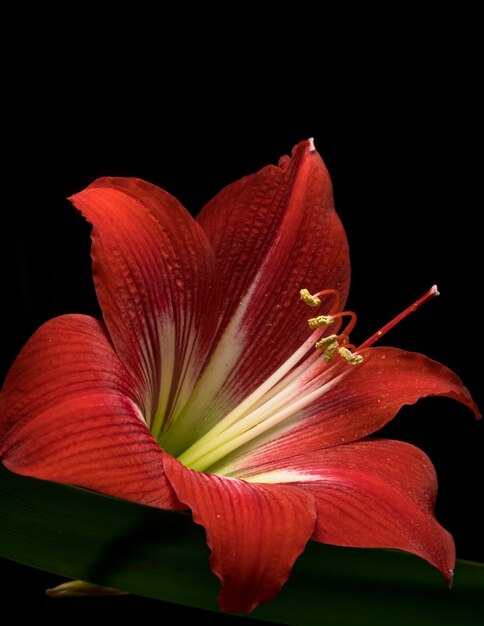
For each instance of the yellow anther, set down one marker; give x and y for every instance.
(308, 299)
(329, 352)
(325, 341)
(321, 320)
(349, 357)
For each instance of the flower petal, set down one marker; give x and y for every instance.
(372, 494)
(365, 399)
(273, 233)
(154, 273)
(255, 532)
(68, 413)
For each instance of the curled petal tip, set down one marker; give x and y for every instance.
(312, 147)
(434, 290)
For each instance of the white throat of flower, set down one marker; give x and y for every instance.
(301, 380)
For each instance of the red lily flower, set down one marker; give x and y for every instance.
(203, 388)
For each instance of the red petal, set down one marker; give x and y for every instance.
(366, 399)
(68, 413)
(373, 494)
(273, 233)
(154, 276)
(255, 532)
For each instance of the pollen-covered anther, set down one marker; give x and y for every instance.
(308, 299)
(349, 357)
(328, 354)
(325, 341)
(320, 320)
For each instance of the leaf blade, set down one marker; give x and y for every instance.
(158, 554)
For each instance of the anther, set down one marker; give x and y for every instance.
(321, 320)
(349, 357)
(325, 341)
(328, 354)
(308, 299)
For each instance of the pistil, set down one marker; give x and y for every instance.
(431, 293)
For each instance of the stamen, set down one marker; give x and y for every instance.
(250, 427)
(321, 320)
(349, 357)
(330, 292)
(351, 324)
(308, 299)
(325, 341)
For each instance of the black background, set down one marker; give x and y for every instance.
(192, 101)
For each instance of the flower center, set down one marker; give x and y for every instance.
(300, 381)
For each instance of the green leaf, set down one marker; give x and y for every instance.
(80, 534)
